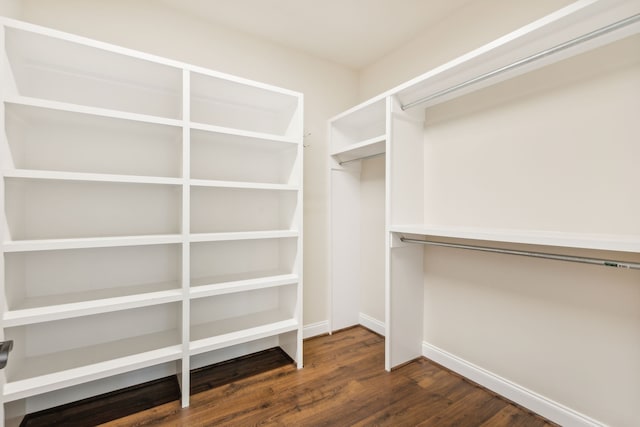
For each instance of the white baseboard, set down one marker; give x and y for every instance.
(321, 328)
(315, 329)
(370, 323)
(539, 404)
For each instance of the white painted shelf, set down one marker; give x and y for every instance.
(370, 147)
(242, 235)
(244, 133)
(245, 185)
(94, 111)
(233, 158)
(86, 243)
(49, 372)
(95, 177)
(49, 308)
(609, 242)
(211, 286)
(219, 334)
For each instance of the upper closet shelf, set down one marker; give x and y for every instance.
(362, 150)
(609, 242)
(577, 28)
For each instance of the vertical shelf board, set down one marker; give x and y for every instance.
(184, 365)
(4, 155)
(388, 170)
(297, 265)
(43, 139)
(54, 66)
(344, 248)
(405, 304)
(406, 158)
(404, 286)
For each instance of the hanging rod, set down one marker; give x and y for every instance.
(529, 59)
(557, 257)
(361, 158)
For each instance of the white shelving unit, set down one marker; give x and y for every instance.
(397, 117)
(152, 211)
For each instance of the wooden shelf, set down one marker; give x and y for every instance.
(49, 308)
(94, 177)
(609, 242)
(368, 148)
(227, 332)
(210, 286)
(67, 368)
(91, 242)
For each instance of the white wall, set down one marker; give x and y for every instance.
(11, 8)
(328, 88)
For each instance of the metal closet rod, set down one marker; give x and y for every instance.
(361, 158)
(557, 257)
(529, 59)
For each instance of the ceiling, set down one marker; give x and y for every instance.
(354, 33)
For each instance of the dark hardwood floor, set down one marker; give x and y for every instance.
(343, 383)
